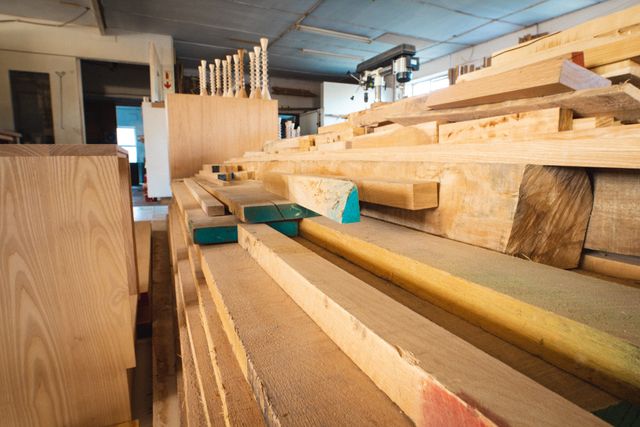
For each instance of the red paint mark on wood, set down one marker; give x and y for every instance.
(442, 408)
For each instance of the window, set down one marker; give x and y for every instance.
(429, 84)
(127, 139)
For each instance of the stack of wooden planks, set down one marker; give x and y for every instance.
(428, 280)
(68, 285)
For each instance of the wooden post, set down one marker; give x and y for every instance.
(240, 90)
(265, 76)
(219, 90)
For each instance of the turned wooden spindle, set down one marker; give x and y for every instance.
(219, 91)
(252, 81)
(212, 81)
(230, 82)
(241, 91)
(225, 78)
(265, 76)
(257, 50)
(202, 69)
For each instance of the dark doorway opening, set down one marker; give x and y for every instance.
(31, 99)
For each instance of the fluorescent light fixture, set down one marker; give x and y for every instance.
(332, 33)
(335, 55)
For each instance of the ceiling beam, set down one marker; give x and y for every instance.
(97, 13)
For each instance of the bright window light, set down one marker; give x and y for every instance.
(127, 139)
(429, 84)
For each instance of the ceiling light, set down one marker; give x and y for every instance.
(335, 55)
(331, 33)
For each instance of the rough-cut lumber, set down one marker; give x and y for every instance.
(334, 198)
(592, 122)
(418, 134)
(252, 203)
(615, 221)
(586, 326)
(187, 296)
(143, 254)
(539, 79)
(341, 135)
(434, 376)
(612, 23)
(300, 143)
(336, 127)
(166, 408)
(239, 405)
(622, 101)
(211, 129)
(572, 388)
(298, 376)
(405, 194)
(597, 51)
(183, 197)
(620, 72)
(477, 203)
(514, 126)
(65, 285)
(610, 147)
(206, 230)
(614, 265)
(209, 204)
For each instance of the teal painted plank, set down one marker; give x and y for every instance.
(351, 211)
(623, 414)
(277, 212)
(229, 233)
(288, 228)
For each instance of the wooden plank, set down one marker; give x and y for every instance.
(341, 135)
(434, 376)
(515, 126)
(64, 288)
(621, 101)
(611, 147)
(143, 254)
(336, 127)
(477, 203)
(301, 143)
(197, 341)
(572, 388)
(298, 376)
(614, 225)
(127, 223)
(404, 194)
(593, 122)
(252, 203)
(620, 72)
(336, 199)
(419, 134)
(239, 405)
(538, 79)
(614, 265)
(183, 197)
(211, 129)
(209, 204)
(549, 312)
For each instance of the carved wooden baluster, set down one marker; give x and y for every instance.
(219, 91)
(230, 81)
(212, 79)
(257, 50)
(242, 92)
(265, 76)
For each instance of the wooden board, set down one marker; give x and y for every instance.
(572, 388)
(211, 129)
(252, 203)
(335, 199)
(614, 265)
(434, 376)
(336, 127)
(546, 311)
(143, 254)
(419, 134)
(539, 79)
(621, 101)
(477, 203)
(127, 224)
(611, 147)
(593, 122)
(301, 143)
(515, 126)
(620, 72)
(209, 204)
(298, 376)
(183, 197)
(615, 225)
(64, 286)
(404, 194)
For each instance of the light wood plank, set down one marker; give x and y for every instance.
(538, 79)
(614, 225)
(614, 265)
(298, 376)
(419, 134)
(334, 198)
(514, 126)
(435, 377)
(209, 204)
(620, 72)
(593, 122)
(143, 254)
(549, 312)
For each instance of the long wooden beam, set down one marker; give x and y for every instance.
(434, 376)
(334, 198)
(540, 79)
(560, 316)
(612, 147)
(209, 204)
(621, 101)
(298, 376)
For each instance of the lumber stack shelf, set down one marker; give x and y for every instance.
(465, 257)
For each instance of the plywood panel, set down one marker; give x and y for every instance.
(211, 129)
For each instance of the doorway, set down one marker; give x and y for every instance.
(31, 100)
